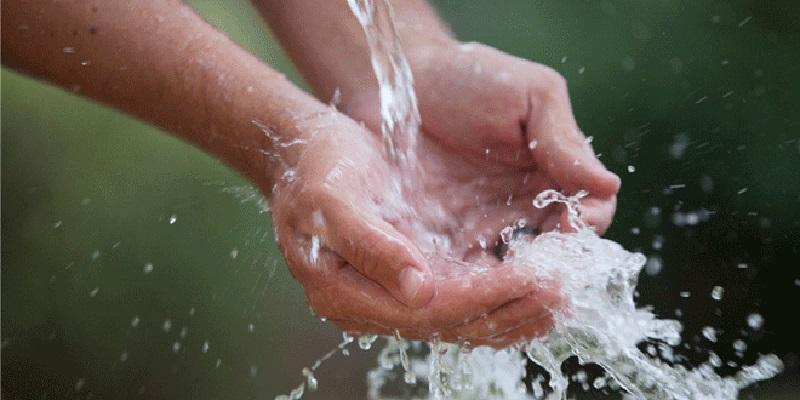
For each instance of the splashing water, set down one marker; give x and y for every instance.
(600, 324)
(400, 118)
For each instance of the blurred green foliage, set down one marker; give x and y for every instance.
(88, 196)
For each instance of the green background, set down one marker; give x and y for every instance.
(88, 195)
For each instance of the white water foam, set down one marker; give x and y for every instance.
(600, 322)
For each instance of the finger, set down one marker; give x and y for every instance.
(469, 291)
(378, 251)
(561, 147)
(532, 309)
(524, 319)
(462, 296)
(522, 334)
(598, 213)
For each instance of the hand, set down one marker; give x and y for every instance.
(371, 264)
(488, 107)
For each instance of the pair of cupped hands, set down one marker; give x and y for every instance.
(496, 131)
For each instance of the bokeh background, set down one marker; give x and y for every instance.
(694, 103)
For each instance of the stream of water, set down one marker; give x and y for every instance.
(602, 325)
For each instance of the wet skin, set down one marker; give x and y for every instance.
(408, 259)
(445, 224)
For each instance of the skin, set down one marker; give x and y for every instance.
(480, 110)
(361, 249)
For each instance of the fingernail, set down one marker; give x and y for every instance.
(411, 282)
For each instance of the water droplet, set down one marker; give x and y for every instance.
(717, 292)
(123, 356)
(755, 321)
(234, 253)
(533, 144)
(745, 21)
(148, 268)
(68, 50)
(135, 322)
(172, 219)
(686, 294)
(204, 348)
(710, 333)
(365, 342)
(410, 378)
(658, 242)
(714, 360)
(653, 265)
(599, 382)
(167, 325)
(507, 234)
(94, 291)
(176, 347)
(313, 252)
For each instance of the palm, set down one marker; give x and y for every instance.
(348, 184)
(461, 205)
(476, 176)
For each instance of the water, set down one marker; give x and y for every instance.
(600, 323)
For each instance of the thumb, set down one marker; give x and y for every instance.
(380, 253)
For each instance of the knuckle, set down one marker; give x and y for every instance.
(554, 79)
(362, 261)
(549, 81)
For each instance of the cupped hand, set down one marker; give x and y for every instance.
(374, 257)
(380, 254)
(488, 108)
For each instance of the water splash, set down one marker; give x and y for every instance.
(600, 324)
(310, 382)
(400, 118)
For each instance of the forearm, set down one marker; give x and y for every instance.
(161, 62)
(328, 46)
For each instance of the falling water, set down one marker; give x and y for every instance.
(601, 325)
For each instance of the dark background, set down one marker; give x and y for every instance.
(697, 93)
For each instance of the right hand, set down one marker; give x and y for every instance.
(340, 226)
